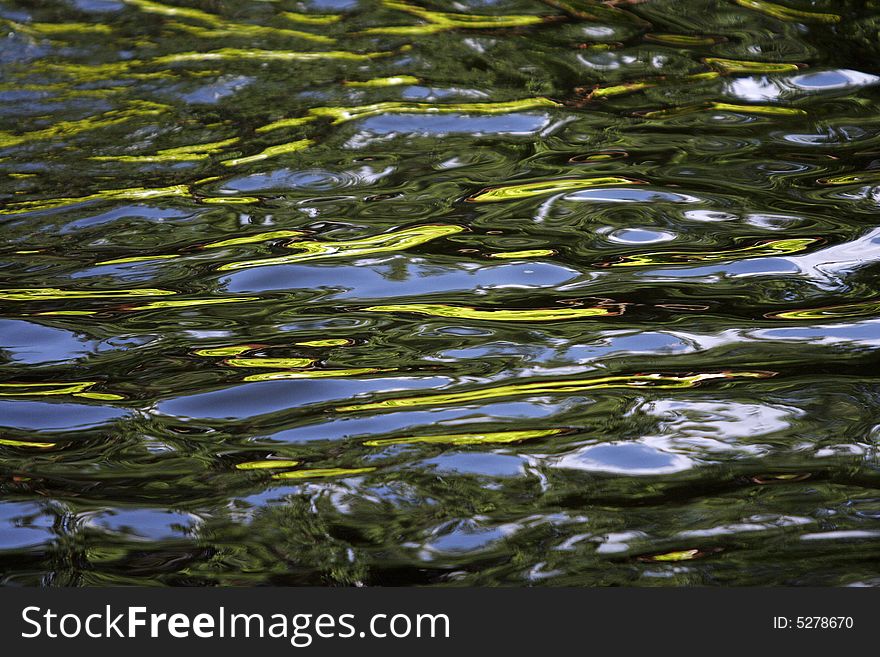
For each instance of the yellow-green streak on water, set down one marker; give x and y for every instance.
(240, 30)
(385, 243)
(225, 351)
(132, 259)
(266, 465)
(269, 362)
(544, 187)
(220, 27)
(391, 81)
(618, 89)
(271, 151)
(680, 555)
(330, 342)
(787, 13)
(77, 388)
(129, 194)
(256, 54)
(529, 253)
(488, 438)
(192, 153)
(499, 315)
(740, 66)
(63, 129)
(552, 387)
(686, 40)
(438, 21)
(318, 473)
(311, 19)
(765, 110)
(190, 303)
(339, 115)
(313, 374)
(253, 239)
(763, 250)
(831, 312)
(54, 29)
(53, 293)
(8, 442)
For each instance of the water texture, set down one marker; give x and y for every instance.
(410, 292)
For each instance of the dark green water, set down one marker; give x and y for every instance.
(439, 293)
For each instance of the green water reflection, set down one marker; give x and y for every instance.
(385, 292)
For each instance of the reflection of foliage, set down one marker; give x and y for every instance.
(286, 544)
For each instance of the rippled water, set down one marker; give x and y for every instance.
(405, 292)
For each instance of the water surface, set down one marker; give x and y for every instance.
(488, 292)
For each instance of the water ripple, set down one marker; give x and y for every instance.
(385, 293)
